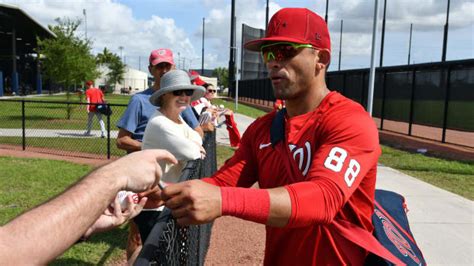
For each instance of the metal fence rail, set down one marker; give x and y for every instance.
(57, 127)
(170, 244)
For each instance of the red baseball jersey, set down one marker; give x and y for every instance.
(94, 95)
(334, 149)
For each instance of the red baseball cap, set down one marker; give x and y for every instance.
(193, 75)
(297, 25)
(161, 55)
(198, 81)
(195, 78)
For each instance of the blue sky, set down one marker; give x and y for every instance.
(142, 25)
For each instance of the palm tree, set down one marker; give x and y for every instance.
(114, 64)
(105, 57)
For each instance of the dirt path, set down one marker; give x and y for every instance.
(235, 241)
(16, 151)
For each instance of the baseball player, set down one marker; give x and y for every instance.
(315, 160)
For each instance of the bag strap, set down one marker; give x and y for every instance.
(364, 239)
(347, 230)
(394, 222)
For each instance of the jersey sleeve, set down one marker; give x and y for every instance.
(241, 169)
(349, 150)
(130, 118)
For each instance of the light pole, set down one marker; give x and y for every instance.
(370, 94)
(340, 45)
(409, 43)
(326, 16)
(445, 35)
(237, 76)
(85, 19)
(266, 17)
(179, 60)
(121, 55)
(202, 59)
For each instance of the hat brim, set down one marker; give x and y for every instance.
(199, 91)
(161, 60)
(256, 44)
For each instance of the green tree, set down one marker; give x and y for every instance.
(67, 59)
(222, 76)
(115, 66)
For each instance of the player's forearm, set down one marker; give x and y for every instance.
(297, 205)
(129, 144)
(267, 206)
(280, 207)
(45, 232)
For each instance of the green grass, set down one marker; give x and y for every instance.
(25, 183)
(223, 153)
(454, 176)
(242, 108)
(85, 145)
(55, 115)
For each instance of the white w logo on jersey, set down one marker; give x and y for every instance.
(302, 159)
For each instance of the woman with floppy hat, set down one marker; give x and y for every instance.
(167, 130)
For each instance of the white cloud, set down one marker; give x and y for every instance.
(112, 24)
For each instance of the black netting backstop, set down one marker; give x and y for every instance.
(251, 65)
(434, 98)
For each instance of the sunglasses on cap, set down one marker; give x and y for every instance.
(180, 92)
(211, 91)
(281, 51)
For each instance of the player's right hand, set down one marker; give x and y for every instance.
(193, 202)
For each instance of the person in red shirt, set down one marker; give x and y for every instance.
(315, 161)
(94, 95)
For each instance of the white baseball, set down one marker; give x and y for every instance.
(122, 197)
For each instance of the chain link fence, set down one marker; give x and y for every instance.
(170, 244)
(58, 127)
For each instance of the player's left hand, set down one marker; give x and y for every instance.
(193, 202)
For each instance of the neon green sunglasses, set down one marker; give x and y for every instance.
(281, 51)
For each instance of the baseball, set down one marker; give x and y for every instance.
(122, 196)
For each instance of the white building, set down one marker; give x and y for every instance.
(132, 78)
